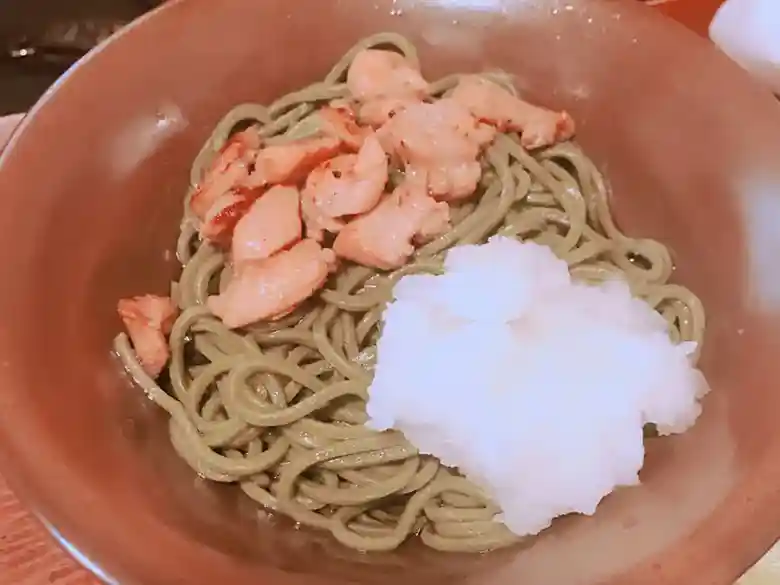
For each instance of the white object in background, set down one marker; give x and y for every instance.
(748, 31)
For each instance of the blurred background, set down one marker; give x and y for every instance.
(40, 39)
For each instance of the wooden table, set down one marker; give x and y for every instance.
(29, 555)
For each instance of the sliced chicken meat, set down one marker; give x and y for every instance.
(148, 320)
(375, 73)
(272, 223)
(379, 111)
(344, 186)
(384, 82)
(272, 288)
(223, 215)
(243, 170)
(230, 168)
(491, 103)
(291, 163)
(339, 121)
(442, 141)
(383, 238)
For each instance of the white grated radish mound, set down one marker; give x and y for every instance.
(535, 387)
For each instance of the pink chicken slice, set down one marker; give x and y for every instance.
(378, 111)
(491, 103)
(383, 237)
(243, 170)
(375, 73)
(272, 223)
(272, 288)
(289, 164)
(339, 122)
(230, 167)
(442, 141)
(148, 319)
(223, 215)
(384, 82)
(346, 185)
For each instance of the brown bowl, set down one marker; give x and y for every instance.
(92, 190)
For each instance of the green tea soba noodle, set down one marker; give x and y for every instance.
(279, 407)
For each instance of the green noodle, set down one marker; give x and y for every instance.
(278, 407)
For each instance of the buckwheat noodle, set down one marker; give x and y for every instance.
(278, 407)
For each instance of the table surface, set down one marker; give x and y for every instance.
(29, 555)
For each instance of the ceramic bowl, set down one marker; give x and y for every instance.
(92, 188)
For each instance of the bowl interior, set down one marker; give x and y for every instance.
(92, 196)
